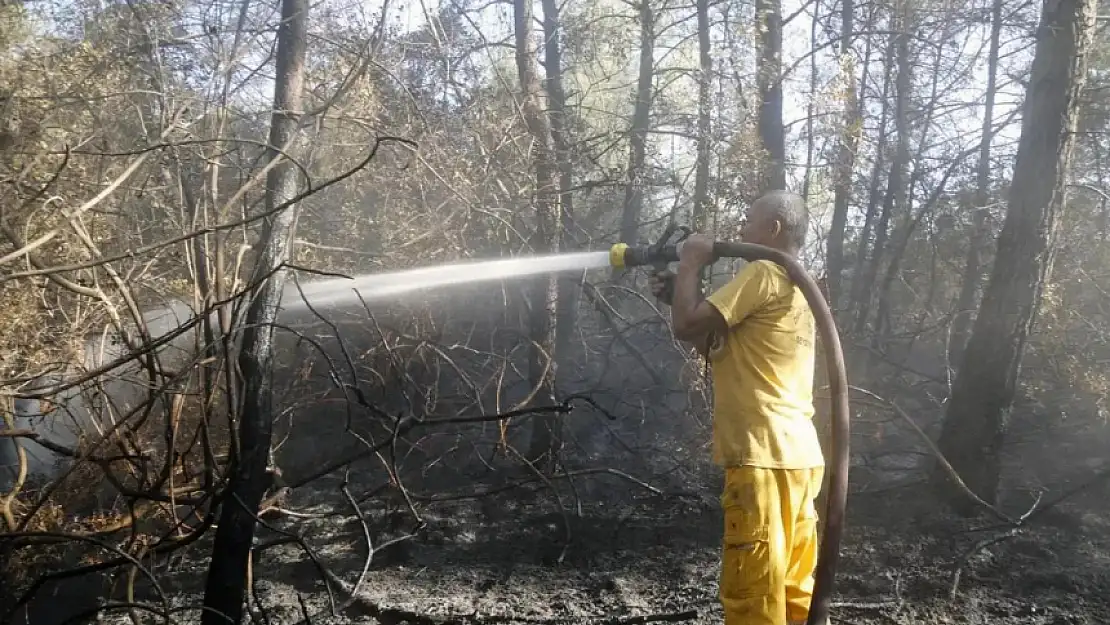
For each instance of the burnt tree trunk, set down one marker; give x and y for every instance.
(896, 188)
(973, 265)
(641, 120)
(845, 158)
(705, 68)
(903, 233)
(873, 191)
(768, 15)
(811, 110)
(978, 412)
(546, 431)
(225, 587)
(567, 305)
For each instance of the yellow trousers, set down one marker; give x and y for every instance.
(770, 544)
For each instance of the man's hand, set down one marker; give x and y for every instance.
(662, 286)
(696, 250)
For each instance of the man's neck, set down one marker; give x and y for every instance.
(786, 249)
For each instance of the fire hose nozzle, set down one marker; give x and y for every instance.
(617, 254)
(622, 256)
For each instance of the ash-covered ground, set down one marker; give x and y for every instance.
(497, 560)
(602, 548)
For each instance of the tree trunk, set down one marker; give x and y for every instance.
(972, 268)
(705, 76)
(982, 395)
(567, 305)
(225, 586)
(902, 239)
(768, 15)
(641, 119)
(811, 109)
(845, 159)
(873, 193)
(903, 233)
(896, 191)
(546, 432)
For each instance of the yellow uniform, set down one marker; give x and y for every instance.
(764, 438)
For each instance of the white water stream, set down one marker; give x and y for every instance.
(376, 286)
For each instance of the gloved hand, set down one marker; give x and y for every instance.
(662, 286)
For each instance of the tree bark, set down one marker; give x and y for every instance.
(705, 76)
(982, 395)
(845, 158)
(873, 191)
(903, 232)
(972, 267)
(567, 303)
(225, 587)
(641, 120)
(896, 189)
(546, 432)
(811, 111)
(771, 132)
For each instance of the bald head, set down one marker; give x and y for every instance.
(778, 219)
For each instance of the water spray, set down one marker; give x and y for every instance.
(665, 251)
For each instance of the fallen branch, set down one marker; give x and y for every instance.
(970, 553)
(668, 617)
(532, 480)
(1012, 526)
(948, 468)
(406, 424)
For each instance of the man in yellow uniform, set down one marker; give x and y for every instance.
(758, 334)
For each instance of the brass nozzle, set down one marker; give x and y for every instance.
(616, 255)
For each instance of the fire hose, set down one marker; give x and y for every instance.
(663, 252)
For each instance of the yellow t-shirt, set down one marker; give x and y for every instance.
(763, 373)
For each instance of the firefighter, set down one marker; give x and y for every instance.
(757, 332)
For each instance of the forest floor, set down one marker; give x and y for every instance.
(496, 561)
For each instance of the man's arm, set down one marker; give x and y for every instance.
(662, 285)
(695, 319)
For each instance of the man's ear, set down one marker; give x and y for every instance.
(776, 228)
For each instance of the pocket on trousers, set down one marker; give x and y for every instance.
(746, 557)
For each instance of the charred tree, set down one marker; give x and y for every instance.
(705, 76)
(811, 112)
(567, 304)
(225, 586)
(896, 187)
(969, 288)
(845, 157)
(979, 410)
(546, 433)
(874, 194)
(641, 121)
(874, 197)
(911, 216)
(772, 135)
